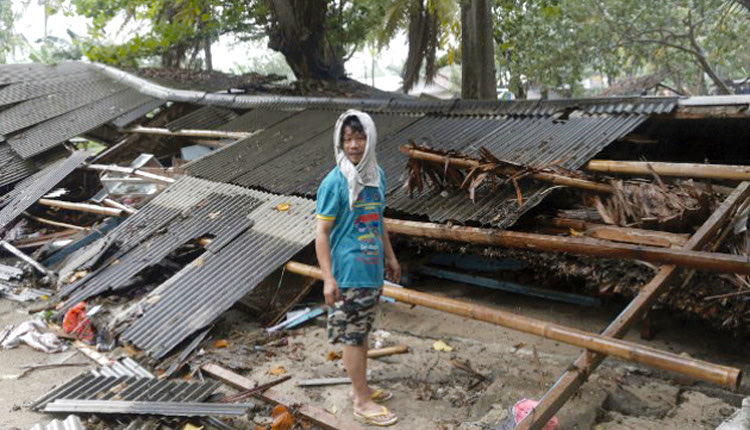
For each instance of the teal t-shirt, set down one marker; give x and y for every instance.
(357, 235)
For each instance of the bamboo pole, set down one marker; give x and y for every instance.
(467, 163)
(130, 171)
(57, 223)
(721, 375)
(83, 207)
(587, 362)
(685, 170)
(117, 205)
(621, 234)
(576, 245)
(236, 135)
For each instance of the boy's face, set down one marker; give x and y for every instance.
(353, 144)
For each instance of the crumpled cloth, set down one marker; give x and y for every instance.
(30, 333)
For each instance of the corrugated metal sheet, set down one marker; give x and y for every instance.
(257, 119)
(34, 191)
(57, 130)
(300, 171)
(39, 110)
(28, 90)
(89, 387)
(12, 167)
(612, 105)
(204, 289)
(11, 73)
(149, 408)
(70, 423)
(203, 118)
(128, 117)
(252, 239)
(234, 160)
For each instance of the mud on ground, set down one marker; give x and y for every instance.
(432, 388)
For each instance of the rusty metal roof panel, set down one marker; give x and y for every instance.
(257, 119)
(90, 387)
(34, 191)
(203, 118)
(53, 132)
(286, 174)
(235, 160)
(11, 73)
(210, 285)
(42, 109)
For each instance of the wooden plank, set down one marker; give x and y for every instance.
(576, 245)
(587, 362)
(684, 170)
(316, 415)
(622, 234)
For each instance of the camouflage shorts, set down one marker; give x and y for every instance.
(350, 320)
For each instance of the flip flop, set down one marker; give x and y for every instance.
(379, 395)
(372, 418)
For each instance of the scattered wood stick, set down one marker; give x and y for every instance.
(247, 393)
(57, 223)
(315, 414)
(130, 171)
(390, 350)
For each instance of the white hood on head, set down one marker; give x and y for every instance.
(365, 173)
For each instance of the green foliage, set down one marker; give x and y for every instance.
(554, 44)
(9, 39)
(54, 49)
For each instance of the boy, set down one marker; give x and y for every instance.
(355, 253)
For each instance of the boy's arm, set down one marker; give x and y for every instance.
(323, 252)
(392, 268)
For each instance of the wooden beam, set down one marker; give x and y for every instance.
(33, 263)
(683, 170)
(575, 245)
(587, 362)
(57, 223)
(721, 375)
(621, 234)
(82, 207)
(316, 415)
(467, 163)
(236, 135)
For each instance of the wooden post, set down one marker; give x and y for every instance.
(587, 362)
(685, 170)
(717, 374)
(467, 163)
(33, 263)
(575, 245)
(83, 207)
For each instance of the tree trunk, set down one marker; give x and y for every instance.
(297, 30)
(478, 51)
(207, 52)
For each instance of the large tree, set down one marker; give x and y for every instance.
(478, 79)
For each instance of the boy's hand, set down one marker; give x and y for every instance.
(392, 270)
(331, 292)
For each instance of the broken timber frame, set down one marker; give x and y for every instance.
(316, 415)
(468, 163)
(621, 234)
(83, 207)
(719, 262)
(685, 170)
(588, 361)
(131, 171)
(725, 376)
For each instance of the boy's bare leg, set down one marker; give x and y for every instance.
(355, 362)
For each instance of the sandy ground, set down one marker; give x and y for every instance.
(431, 391)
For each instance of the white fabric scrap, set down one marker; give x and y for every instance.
(31, 333)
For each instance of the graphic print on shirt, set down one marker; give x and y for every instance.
(367, 225)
